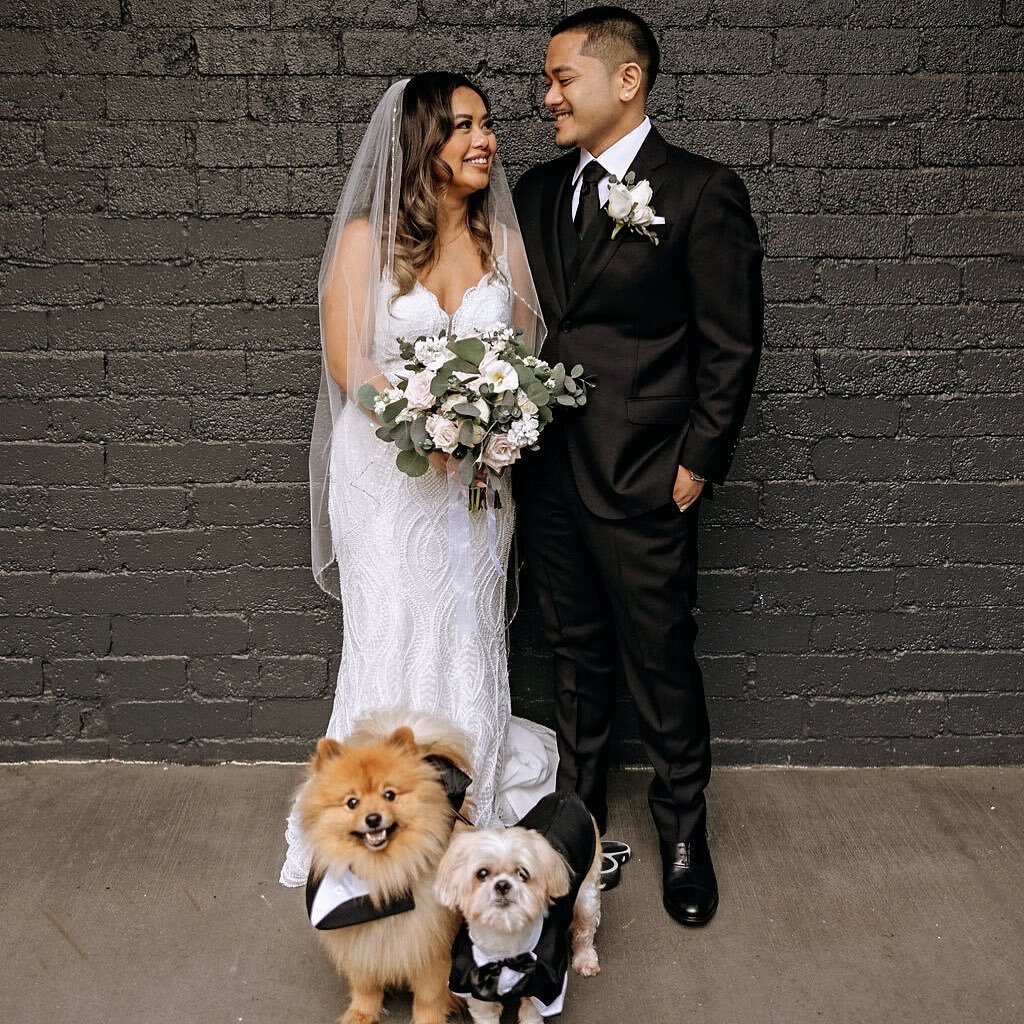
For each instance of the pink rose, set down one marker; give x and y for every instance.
(417, 391)
(443, 433)
(499, 452)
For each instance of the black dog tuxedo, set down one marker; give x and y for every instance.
(541, 970)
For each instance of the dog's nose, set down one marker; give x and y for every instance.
(373, 820)
(502, 887)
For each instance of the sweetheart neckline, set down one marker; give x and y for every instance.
(462, 301)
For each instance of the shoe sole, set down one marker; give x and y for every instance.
(690, 922)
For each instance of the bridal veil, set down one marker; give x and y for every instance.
(356, 275)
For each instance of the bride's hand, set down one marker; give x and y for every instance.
(439, 461)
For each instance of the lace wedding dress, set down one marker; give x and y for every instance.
(400, 645)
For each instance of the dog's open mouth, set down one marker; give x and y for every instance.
(378, 838)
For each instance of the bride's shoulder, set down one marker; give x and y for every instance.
(356, 234)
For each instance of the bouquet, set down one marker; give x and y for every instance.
(480, 399)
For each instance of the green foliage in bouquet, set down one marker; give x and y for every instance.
(480, 399)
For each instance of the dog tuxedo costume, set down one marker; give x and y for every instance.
(338, 899)
(541, 970)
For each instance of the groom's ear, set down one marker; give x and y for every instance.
(631, 82)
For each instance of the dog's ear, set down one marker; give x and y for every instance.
(552, 871)
(451, 871)
(403, 738)
(326, 749)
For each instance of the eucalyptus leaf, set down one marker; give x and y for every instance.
(466, 434)
(367, 395)
(571, 386)
(418, 430)
(439, 385)
(467, 470)
(389, 414)
(465, 409)
(472, 349)
(566, 400)
(402, 438)
(576, 370)
(411, 463)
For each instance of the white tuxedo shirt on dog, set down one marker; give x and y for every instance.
(337, 899)
(508, 978)
(334, 890)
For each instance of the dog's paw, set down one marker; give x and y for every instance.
(354, 1016)
(585, 962)
(528, 1013)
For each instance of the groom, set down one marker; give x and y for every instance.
(669, 329)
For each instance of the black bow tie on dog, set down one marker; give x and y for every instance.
(484, 977)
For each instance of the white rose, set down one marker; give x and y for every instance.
(620, 202)
(642, 215)
(443, 433)
(417, 391)
(642, 193)
(499, 452)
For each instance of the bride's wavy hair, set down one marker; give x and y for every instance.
(427, 124)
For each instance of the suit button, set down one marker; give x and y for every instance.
(566, 326)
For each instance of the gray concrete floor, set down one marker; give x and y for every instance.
(148, 894)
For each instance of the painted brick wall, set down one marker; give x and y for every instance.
(167, 174)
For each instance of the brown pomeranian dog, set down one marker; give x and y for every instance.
(378, 812)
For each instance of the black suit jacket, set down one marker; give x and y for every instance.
(669, 333)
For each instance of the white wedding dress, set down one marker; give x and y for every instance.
(400, 645)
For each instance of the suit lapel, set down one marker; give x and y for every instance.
(596, 252)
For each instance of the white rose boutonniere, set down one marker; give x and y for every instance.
(629, 205)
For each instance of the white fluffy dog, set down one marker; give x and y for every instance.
(521, 898)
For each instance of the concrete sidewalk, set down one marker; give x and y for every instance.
(148, 894)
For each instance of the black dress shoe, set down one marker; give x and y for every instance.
(690, 889)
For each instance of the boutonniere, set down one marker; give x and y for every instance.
(629, 205)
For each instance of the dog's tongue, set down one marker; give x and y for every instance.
(377, 838)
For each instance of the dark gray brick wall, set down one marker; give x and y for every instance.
(167, 175)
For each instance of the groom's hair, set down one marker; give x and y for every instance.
(616, 36)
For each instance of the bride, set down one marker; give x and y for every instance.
(424, 241)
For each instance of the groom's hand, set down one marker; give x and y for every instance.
(687, 490)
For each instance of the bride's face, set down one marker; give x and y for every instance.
(470, 148)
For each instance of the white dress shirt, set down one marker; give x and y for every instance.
(615, 160)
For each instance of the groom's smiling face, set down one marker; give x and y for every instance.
(582, 95)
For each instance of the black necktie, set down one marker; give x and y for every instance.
(589, 202)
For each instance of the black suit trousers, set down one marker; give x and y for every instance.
(618, 594)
